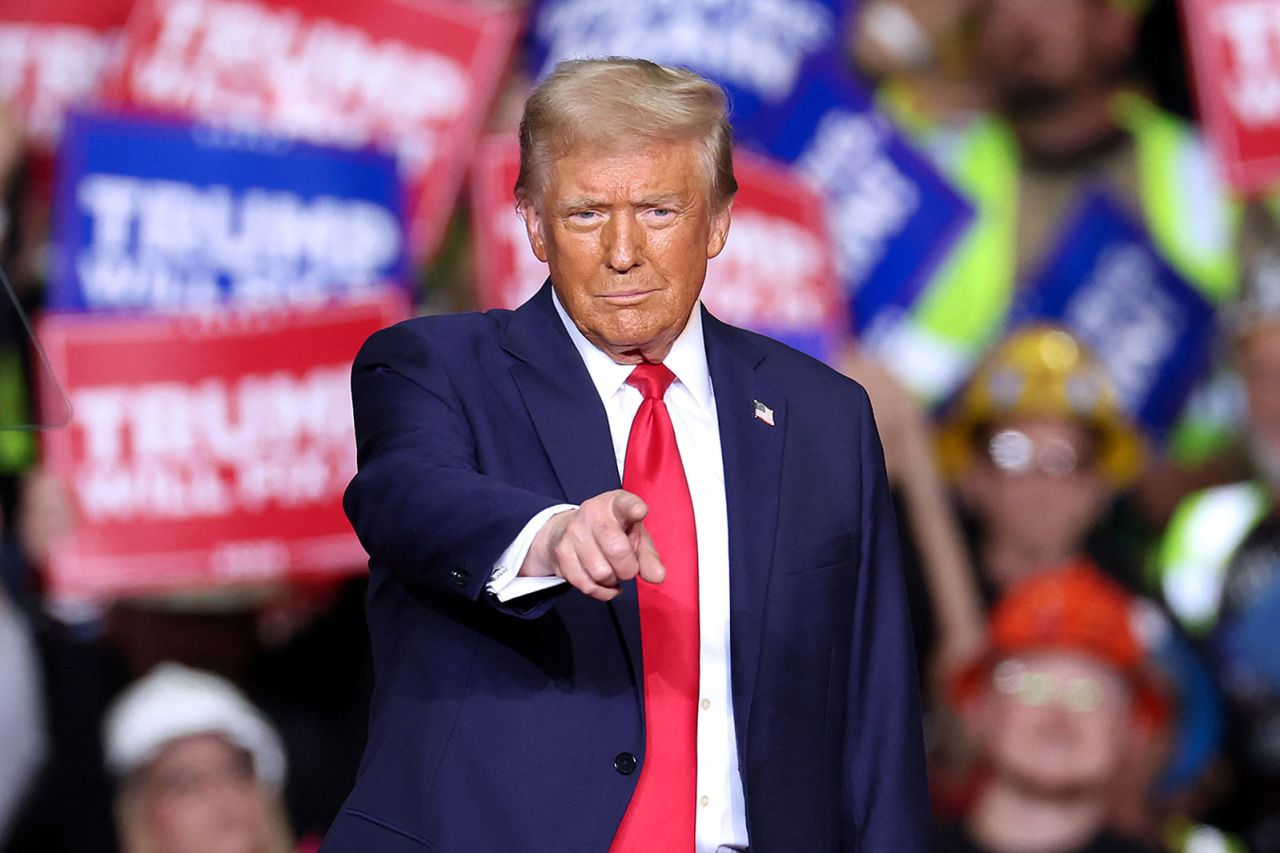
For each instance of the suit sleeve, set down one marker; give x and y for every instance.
(886, 789)
(419, 503)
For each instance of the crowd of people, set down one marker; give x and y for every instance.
(1093, 609)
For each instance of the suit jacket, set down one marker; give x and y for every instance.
(521, 727)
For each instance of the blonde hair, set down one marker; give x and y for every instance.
(618, 102)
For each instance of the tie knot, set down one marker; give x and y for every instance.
(652, 380)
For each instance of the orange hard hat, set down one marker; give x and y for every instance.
(1073, 608)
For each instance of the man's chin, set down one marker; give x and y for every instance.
(1028, 101)
(1048, 783)
(629, 346)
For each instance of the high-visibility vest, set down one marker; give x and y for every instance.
(1206, 530)
(1187, 211)
(1191, 567)
(17, 446)
(1185, 836)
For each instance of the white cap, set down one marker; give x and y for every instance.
(174, 702)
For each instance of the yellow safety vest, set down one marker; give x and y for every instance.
(1187, 211)
(1206, 530)
(1185, 836)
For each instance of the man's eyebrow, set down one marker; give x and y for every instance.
(577, 203)
(583, 202)
(661, 200)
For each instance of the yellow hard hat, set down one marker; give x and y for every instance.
(1042, 371)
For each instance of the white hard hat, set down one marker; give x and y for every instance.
(174, 702)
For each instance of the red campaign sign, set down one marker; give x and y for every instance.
(415, 76)
(205, 450)
(1235, 51)
(52, 55)
(507, 272)
(776, 273)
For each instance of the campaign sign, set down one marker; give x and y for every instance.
(206, 449)
(416, 76)
(52, 54)
(507, 272)
(755, 49)
(161, 215)
(892, 215)
(777, 272)
(1235, 52)
(1107, 283)
(775, 276)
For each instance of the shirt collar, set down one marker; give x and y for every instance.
(687, 359)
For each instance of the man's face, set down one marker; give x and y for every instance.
(1035, 52)
(627, 235)
(1035, 485)
(202, 796)
(1056, 721)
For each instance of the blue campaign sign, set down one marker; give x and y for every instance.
(892, 215)
(755, 49)
(164, 215)
(1106, 282)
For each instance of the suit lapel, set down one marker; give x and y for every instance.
(564, 405)
(752, 451)
(571, 424)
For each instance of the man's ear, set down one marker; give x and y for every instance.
(719, 228)
(533, 227)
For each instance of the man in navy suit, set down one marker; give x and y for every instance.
(717, 657)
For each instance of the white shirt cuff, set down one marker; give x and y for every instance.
(505, 583)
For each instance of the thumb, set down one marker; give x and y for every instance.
(628, 508)
(651, 568)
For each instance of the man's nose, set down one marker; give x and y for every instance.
(624, 242)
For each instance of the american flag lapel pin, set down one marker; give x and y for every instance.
(763, 412)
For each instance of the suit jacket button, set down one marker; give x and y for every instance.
(460, 576)
(625, 763)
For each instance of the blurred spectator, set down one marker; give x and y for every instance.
(1057, 703)
(1219, 565)
(200, 769)
(299, 650)
(22, 744)
(1066, 115)
(921, 53)
(1195, 558)
(1037, 448)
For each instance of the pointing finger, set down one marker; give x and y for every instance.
(651, 568)
(628, 508)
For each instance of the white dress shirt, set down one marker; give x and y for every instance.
(721, 809)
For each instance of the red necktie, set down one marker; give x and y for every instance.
(660, 817)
